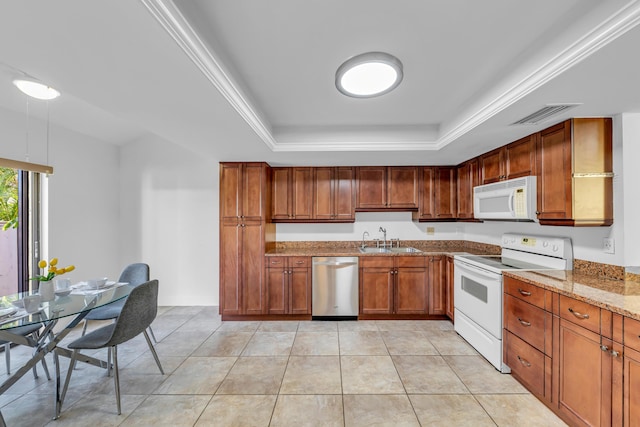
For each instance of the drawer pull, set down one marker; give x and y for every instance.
(524, 293)
(615, 353)
(524, 322)
(299, 262)
(604, 348)
(577, 314)
(524, 362)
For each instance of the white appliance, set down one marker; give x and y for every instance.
(478, 287)
(513, 199)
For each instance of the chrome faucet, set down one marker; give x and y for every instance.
(364, 245)
(384, 231)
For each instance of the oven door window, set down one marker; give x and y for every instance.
(475, 289)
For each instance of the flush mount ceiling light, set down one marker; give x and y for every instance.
(36, 89)
(368, 75)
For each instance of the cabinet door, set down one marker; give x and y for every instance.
(402, 187)
(492, 166)
(281, 193)
(376, 290)
(631, 388)
(521, 157)
(584, 383)
(554, 172)
(299, 291)
(445, 193)
(253, 191)
(449, 286)
(468, 177)
(344, 201)
(230, 190)
(252, 259)
(426, 209)
(230, 269)
(302, 186)
(323, 194)
(372, 187)
(437, 276)
(277, 281)
(411, 296)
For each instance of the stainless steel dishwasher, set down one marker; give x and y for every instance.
(335, 288)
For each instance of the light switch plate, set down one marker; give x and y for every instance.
(431, 230)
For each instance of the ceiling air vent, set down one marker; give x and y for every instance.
(544, 113)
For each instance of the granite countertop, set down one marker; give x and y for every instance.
(328, 251)
(618, 296)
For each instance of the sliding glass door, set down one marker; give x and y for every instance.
(20, 213)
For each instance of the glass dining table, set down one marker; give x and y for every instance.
(74, 306)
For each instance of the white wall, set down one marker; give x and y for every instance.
(398, 225)
(82, 193)
(169, 219)
(631, 188)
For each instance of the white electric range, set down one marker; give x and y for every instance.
(478, 286)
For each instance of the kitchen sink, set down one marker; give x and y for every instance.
(400, 250)
(374, 250)
(405, 250)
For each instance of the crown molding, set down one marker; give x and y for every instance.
(172, 20)
(609, 30)
(175, 24)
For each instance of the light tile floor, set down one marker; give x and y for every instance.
(365, 373)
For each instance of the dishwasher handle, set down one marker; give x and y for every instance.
(334, 263)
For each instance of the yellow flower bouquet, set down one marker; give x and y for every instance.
(52, 271)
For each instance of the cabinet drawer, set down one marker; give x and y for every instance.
(299, 262)
(530, 293)
(526, 363)
(581, 313)
(411, 261)
(376, 261)
(526, 321)
(275, 261)
(632, 333)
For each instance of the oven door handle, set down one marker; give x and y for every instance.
(466, 268)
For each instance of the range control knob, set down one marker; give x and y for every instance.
(545, 244)
(555, 248)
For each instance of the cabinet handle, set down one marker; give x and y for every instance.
(524, 322)
(524, 362)
(604, 348)
(615, 353)
(577, 314)
(524, 293)
(299, 262)
(537, 212)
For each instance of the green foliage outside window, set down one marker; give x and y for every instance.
(9, 198)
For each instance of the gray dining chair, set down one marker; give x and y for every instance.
(138, 311)
(31, 334)
(134, 274)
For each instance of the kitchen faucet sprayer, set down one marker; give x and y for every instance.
(384, 231)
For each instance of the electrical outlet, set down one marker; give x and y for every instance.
(431, 230)
(608, 246)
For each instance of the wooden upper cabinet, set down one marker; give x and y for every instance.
(292, 194)
(520, 158)
(333, 194)
(492, 166)
(243, 191)
(387, 188)
(437, 195)
(510, 161)
(468, 177)
(575, 173)
(445, 193)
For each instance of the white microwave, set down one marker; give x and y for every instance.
(514, 199)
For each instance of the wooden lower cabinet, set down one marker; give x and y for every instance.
(584, 369)
(449, 284)
(437, 286)
(288, 285)
(394, 285)
(631, 396)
